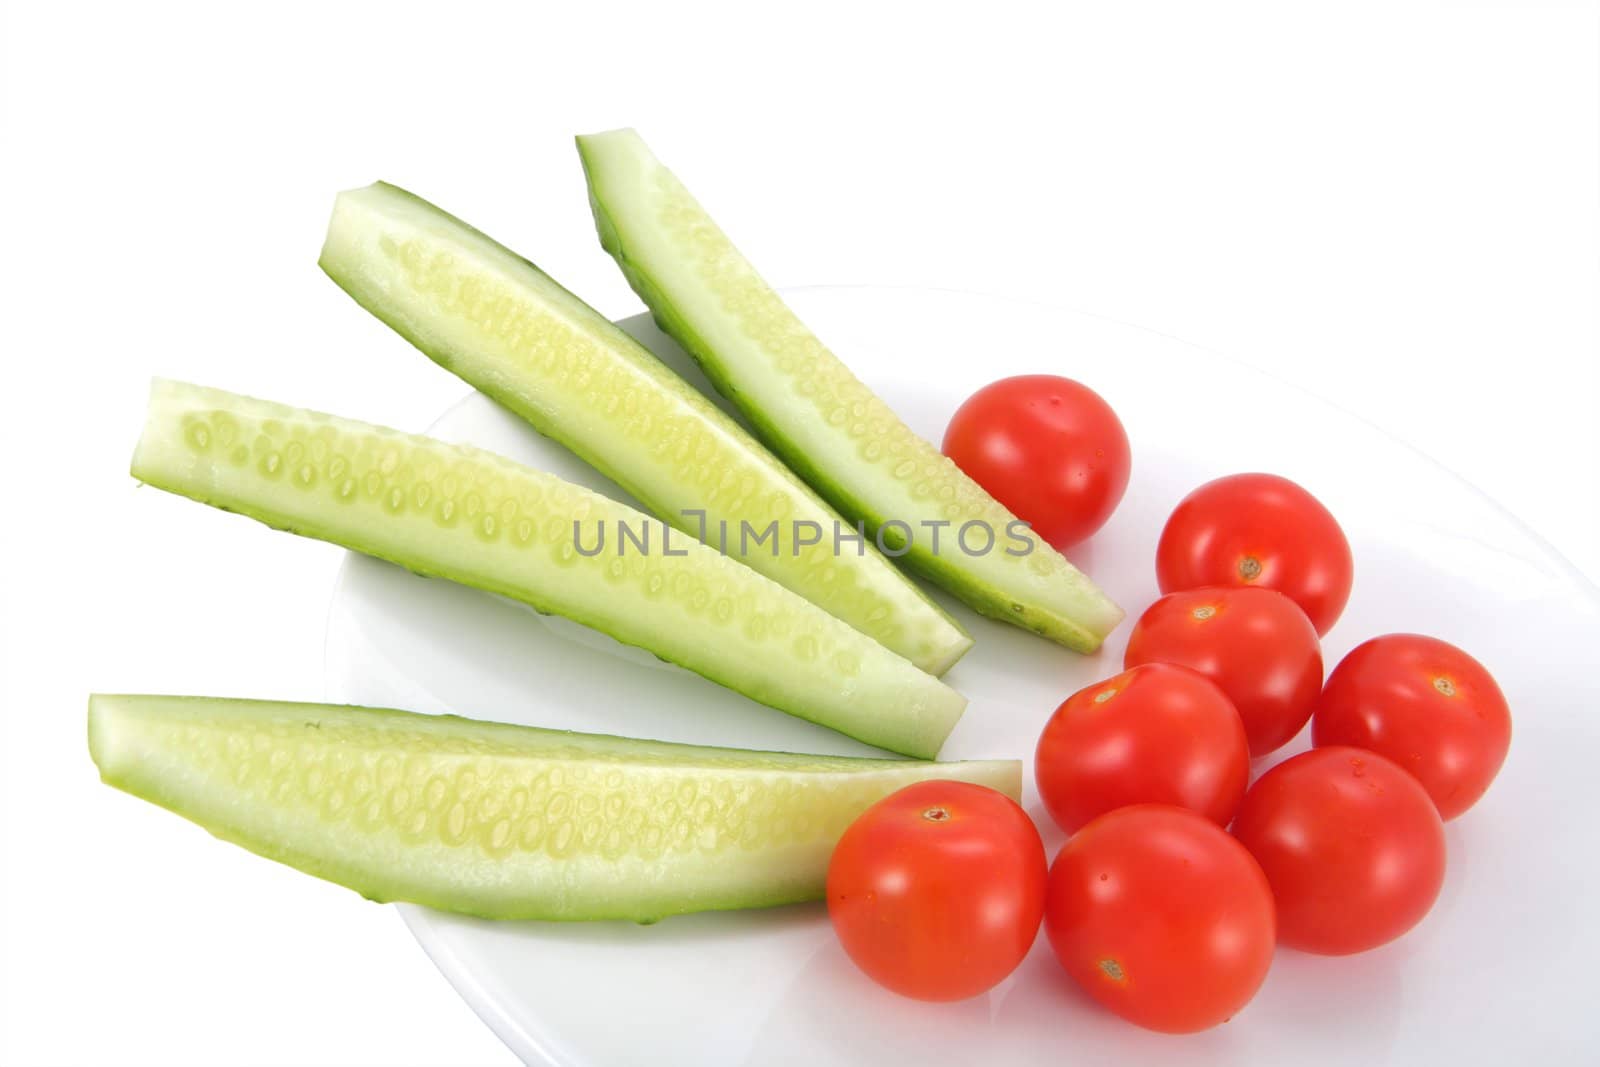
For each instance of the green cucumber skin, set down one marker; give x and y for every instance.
(1061, 605)
(500, 821)
(371, 231)
(460, 513)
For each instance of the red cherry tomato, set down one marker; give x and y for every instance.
(1155, 734)
(936, 891)
(1254, 643)
(1424, 704)
(1161, 917)
(1047, 448)
(1258, 530)
(1352, 845)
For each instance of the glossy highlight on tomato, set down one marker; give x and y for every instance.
(1048, 448)
(1426, 705)
(1161, 917)
(937, 890)
(1351, 844)
(1262, 531)
(1154, 734)
(1255, 644)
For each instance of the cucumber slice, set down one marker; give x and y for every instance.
(506, 822)
(490, 316)
(829, 427)
(481, 520)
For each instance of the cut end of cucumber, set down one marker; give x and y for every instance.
(611, 153)
(495, 820)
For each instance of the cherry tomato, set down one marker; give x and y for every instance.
(1258, 530)
(1047, 448)
(1424, 704)
(936, 891)
(1254, 643)
(1161, 917)
(1155, 734)
(1352, 845)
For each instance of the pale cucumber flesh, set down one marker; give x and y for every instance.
(505, 822)
(476, 518)
(507, 328)
(807, 406)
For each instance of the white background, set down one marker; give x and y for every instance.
(1396, 205)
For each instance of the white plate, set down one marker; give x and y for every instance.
(1501, 971)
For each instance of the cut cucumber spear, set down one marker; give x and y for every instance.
(506, 822)
(490, 316)
(829, 427)
(481, 520)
